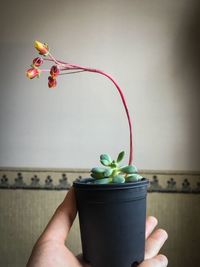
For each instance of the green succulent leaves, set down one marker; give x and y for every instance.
(129, 169)
(105, 160)
(120, 156)
(118, 179)
(108, 172)
(133, 177)
(113, 173)
(98, 170)
(103, 181)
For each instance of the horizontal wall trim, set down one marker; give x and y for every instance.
(80, 170)
(62, 179)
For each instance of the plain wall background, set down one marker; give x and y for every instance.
(151, 47)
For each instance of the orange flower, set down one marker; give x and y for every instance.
(38, 61)
(42, 48)
(32, 73)
(54, 71)
(52, 82)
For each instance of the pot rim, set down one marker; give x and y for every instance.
(81, 184)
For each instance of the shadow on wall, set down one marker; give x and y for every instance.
(187, 54)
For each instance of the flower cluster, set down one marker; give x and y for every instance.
(34, 71)
(38, 61)
(66, 68)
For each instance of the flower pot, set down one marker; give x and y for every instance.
(112, 222)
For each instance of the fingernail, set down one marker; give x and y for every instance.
(161, 234)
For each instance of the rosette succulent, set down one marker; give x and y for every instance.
(112, 172)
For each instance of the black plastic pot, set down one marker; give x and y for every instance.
(112, 222)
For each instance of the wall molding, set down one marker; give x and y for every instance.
(62, 179)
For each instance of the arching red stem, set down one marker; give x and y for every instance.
(78, 67)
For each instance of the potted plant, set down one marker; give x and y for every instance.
(112, 202)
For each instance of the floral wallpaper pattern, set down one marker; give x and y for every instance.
(172, 182)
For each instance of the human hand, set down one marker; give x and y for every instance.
(50, 249)
(154, 242)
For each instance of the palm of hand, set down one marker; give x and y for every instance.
(52, 253)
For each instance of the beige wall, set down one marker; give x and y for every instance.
(150, 46)
(26, 213)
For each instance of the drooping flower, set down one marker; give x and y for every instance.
(52, 82)
(42, 48)
(54, 71)
(32, 73)
(64, 66)
(37, 62)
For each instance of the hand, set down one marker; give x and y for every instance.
(50, 249)
(154, 242)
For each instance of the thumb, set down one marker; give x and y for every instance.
(62, 220)
(157, 261)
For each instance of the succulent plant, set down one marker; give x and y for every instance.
(112, 172)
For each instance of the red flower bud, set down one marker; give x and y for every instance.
(42, 48)
(32, 73)
(52, 82)
(37, 62)
(54, 71)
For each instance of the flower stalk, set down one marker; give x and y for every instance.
(62, 68)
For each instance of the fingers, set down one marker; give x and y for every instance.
(60, 223)
(154, 240)
(154, 243)
(157, 261)
(151, 223)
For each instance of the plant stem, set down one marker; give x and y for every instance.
(78, 67)
(72, 72)
(126, 109)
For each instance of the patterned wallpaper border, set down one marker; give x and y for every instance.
(62, 179)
